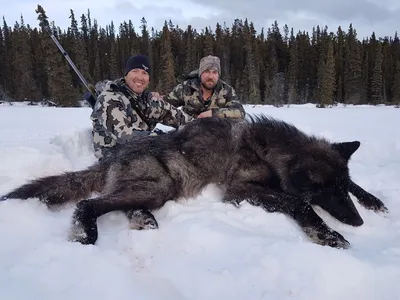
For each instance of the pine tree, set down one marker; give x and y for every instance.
(115, 65)
(340, 64)
(8, 82)
(218, 45)
(326, 76)
(292, 74)
(59, 78)
(225, 39)
(79, 54)
(25, 84)
(353, 66)
(145, 38)
(376, 84)
(250, 78)
(190, 55)
(365, 77)
(168, 81)
(396, 84)
(208, 43)
(3, 74)
(94, 58)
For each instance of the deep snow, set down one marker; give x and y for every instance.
(203, 249)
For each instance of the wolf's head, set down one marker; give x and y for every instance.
(307, 167)
(322, 177)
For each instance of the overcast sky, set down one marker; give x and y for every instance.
(381, 16)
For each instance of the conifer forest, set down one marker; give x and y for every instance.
(274, 66)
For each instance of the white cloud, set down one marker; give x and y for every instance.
(366, 15)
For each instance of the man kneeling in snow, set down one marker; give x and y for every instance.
(125, 109)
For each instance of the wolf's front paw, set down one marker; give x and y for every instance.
(327, 237)
(335, 240)
(371, 202)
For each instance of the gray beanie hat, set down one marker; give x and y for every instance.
(209, 62)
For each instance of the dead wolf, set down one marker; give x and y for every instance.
(264, 161)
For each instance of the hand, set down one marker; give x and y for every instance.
(205, 114)
(157, 132)
(156, 95)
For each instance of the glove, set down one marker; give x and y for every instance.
(157, 132)
(90, 99)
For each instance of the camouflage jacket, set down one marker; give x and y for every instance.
(223, 102)
(115, 120)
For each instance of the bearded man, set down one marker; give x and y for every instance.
(206, 95)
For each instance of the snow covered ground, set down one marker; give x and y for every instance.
(203, 249)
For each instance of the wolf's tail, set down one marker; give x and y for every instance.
(59, 189)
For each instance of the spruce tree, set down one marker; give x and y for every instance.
(59, 77)
(376, 84)
(352, 70)
(3, 74)
(167, 82)
(292, 74)
(326, 79)
(25, 84)
(396, 84)
(8, 73)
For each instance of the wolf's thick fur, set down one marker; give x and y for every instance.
(266, 162)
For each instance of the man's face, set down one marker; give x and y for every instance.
(209, 78)
(137, 80)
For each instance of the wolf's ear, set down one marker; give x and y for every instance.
(346, 149)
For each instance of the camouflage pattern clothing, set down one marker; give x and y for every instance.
(115, 120)
(223, 102)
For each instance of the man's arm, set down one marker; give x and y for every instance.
(111, 113)
(232, 109)
(166, 113)
(175, 97)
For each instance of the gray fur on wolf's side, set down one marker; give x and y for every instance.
(264, 161)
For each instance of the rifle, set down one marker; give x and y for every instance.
(91, 97)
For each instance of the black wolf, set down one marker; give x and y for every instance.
(264, 161)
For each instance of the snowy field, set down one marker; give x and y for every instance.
(203, 249)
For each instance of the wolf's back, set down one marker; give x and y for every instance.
(58, 189)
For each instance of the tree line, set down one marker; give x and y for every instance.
(274, 66)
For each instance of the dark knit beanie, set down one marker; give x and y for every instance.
(137, 62)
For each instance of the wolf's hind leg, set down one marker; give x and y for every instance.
(141, 219)
(366, 199)
(273, 201)
(149, 194)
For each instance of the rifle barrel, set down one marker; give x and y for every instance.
(70, 61)
(92, 98)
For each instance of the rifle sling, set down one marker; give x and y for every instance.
(135, 105)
